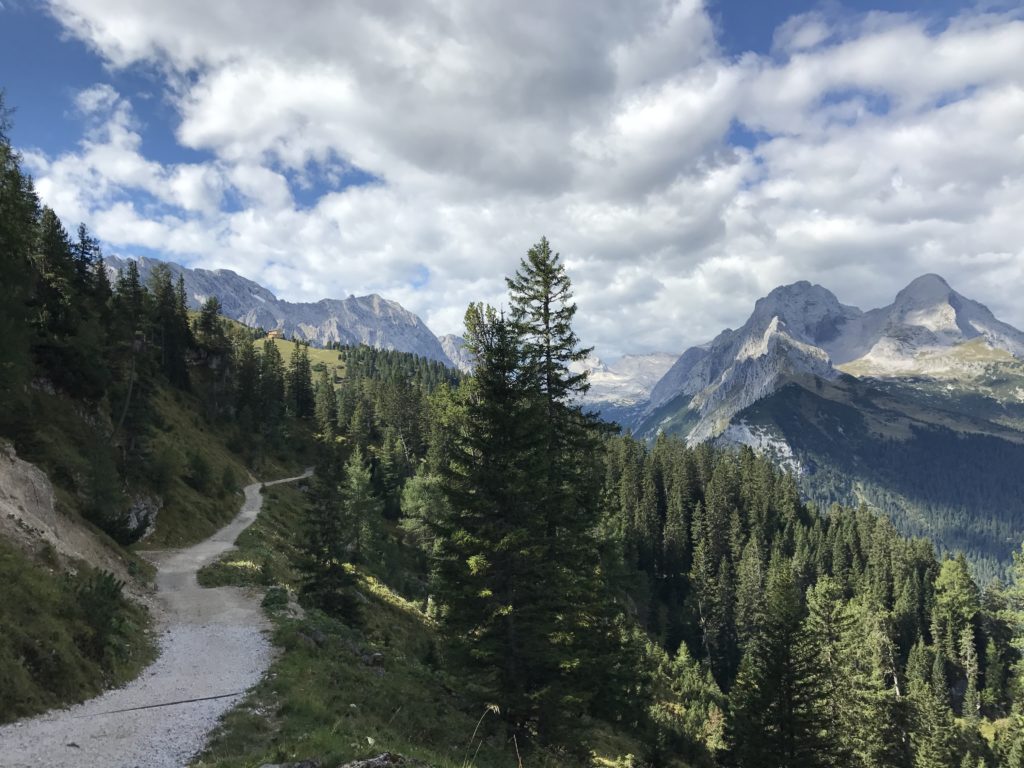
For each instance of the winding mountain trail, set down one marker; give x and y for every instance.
(213, 648)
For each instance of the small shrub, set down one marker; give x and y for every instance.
(276, 597)
(101, 600)
(228, 480)
(199, 472)
(163, 468)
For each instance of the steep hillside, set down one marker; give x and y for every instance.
(62, 581)
(936, 471)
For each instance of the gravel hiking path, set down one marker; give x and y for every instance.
(213, 643)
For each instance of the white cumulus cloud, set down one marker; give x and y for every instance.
(679, 182)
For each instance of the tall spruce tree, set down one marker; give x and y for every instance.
(542, 310)
(327, 581)
(826, 631)
(272, 389)
(173, 332)
(774, 719)
(247, 380)
(326, 406)
(299, 387)
(362, 509)
(933, 735)
(490, 565)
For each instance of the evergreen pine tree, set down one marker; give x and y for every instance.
(773, 721)
(362, 509)
(247, 381)
(933, 730)
(299, 383)
(271, 390)
(825, 632)
(490, 564)
(327, 582)
(19, 212)
(173, 333)
(326, 406)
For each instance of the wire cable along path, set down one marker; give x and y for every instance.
(213, 648)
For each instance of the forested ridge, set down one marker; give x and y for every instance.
(581, 581)
(960, 488)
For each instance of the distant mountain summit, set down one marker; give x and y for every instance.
(626, 381)
(927, 321)
(370, 320)
(916, 408)
(803, 330)
(787, 334)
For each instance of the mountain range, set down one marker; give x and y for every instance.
(803, 329)
(370, 320)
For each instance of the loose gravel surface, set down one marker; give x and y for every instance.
(213, 644)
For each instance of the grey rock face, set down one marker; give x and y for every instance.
(455, 347)
(142, 513)
(370, 320)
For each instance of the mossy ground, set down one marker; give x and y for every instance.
(324, 699)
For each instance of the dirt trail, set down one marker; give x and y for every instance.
(212, 644)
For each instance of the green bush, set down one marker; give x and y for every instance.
(199, 472)
(276, 597)
(228, 480)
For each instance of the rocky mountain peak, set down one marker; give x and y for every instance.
(924, 291)
(809, 312)
(455, 347)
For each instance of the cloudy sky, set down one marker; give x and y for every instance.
(684, 157)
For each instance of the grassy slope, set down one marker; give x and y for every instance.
(190, 513)
(321, 700)
(329, 357)
(47, 654)
(971, 378)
